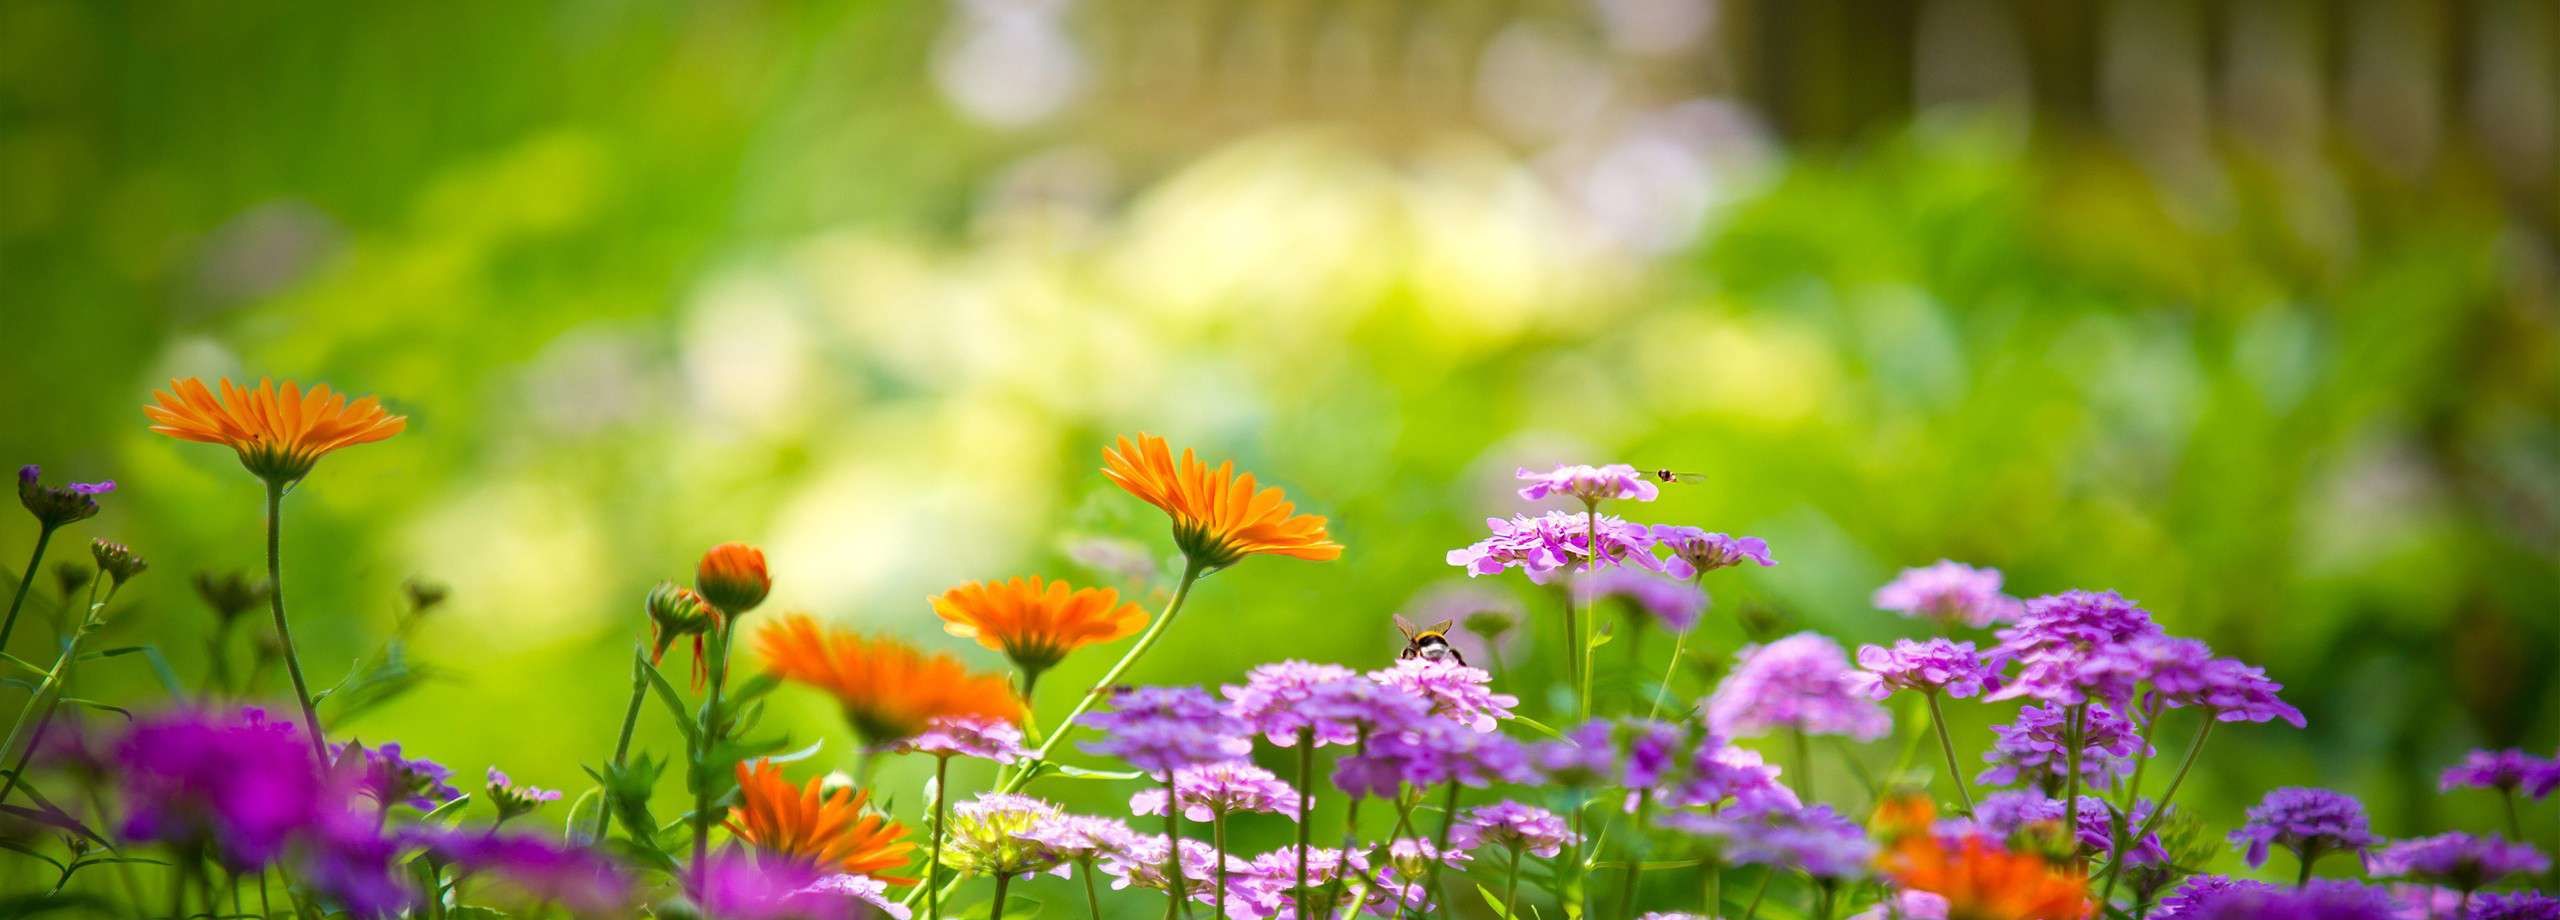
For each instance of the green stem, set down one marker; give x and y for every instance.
(1511, 887)
(1761, 892)
(1218, 837)
(1030, 766)
(284, 630)
(622, 743)
(1679, 641)
(714, 731)
(2071, 782)
(1592, 618)
(1804, 764)
(1572, 637)
(2515, 825)
(1440, 850)
(2302, 876)
(1635, 860)
(1306, 802)
(1092, 898)
(1715, 890)
(48, 693)
(44, 535)
(933, 869)
(1946, 745)
(2160, 808)
(1173, 880)
(1350, 833)
(997, 912)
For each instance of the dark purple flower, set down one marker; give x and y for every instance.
(2184, 673)
(1210, 790)
(1652, 749)
(737, 886)
(1555, 542)
(1813, 839)
(2521, 905)
(2501, 771)
(2035, 749)
(1802, 682)
(2003, 814)
(1674, 603)
(346, 856)
(239, 783)
(1588, 484)
(1274, 700)
(1454, 691)
(1949, 593)
(1163, 729)
(1513, 826)
(55, 506)
(1935, 666)
(967, 736)
(1695, 552)
(2309, 822)
(2058, 643)
(2201, 891)
(391, 779)
(2461, 861)
(582, 880)
(2325, 899)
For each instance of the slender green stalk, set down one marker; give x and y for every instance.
(1030, 766)
(997, 912)
(1092, 898)
(43, 536)
(1946, 745)
(2071, 782)
(1826, 894)
(1511, 886)
(1174, 894)
(933, 869)
(2302, 876)
(715, 729)
(1715, 890)
(1572, 637)
(1804, 764)
(1350, 832)
(1583, 642)
(1440, 850)
(2160, 808)
(178, 892)
(1306, 802)
(2515, 824)
(1218, 838)
(48, 693)
(630, 720)
(284, 630)
(124, 870)
(1662, 691)
(1756, 895)
(1635, 861)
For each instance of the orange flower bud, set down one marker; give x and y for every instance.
(732, 575)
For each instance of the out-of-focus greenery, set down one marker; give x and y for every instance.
(646, 279)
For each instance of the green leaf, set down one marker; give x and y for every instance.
(22, 663)
(1072, 771)
(1494, 901)
(1604, 634)
(582, 814)
(801, 754)
(31, 851)
(55, 817)
(674, 701)
(1537, 726)
(753, 688)
(467, 912)
(448, 809)
(102, 707)
(159, 664)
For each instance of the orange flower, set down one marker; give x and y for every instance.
(1036, 623)
(675, 612)
(1218, 516)
(279, 435)
(1981, 881)
(889, 690)
(807, 823)
(732, 575)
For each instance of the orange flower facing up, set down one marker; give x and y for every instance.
(1981, 881)
(1036, 623)
(1218, 515)
(279, 435)
(732, 575)
(889, 690)
(806, 823)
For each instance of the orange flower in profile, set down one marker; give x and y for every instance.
(1981, 881)
(888, 689)
(811, 825)
(1036, 623)
(1218, 515)
(279, 435)
(733, 576)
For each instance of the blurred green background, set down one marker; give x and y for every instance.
(2246, 311)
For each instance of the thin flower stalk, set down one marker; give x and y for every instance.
(44, 535)
(48, 693)
(1031, 765)
(933, 866)
(1306, 803)
(2161, 808)
(284, 629)
(1947, 746)
(630, 722)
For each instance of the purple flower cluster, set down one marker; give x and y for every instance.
(1949, 594)
(1935, 666)
(582, 880)
(1695, 552)
(1588, 484)
(1734, 780)
(2036, 748)
(1080, 838)
(1802, 682)
(2215, 898)
(2059, 643)
(1673, 603)
(2461, 861)
(240, 783)
(386, 776)
(2184, 673)
(1164, 729)
(1558, 541)
(2507, 771)
(1454, 691)
(2003, 814)
(1512, 826)
(734, 885)
(1278, 700)
(1429, 752)
(2309, 822)
(1814, 839)
(1210, 790)
(967, 736)
(2521, 905)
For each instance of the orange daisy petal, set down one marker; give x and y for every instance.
(1219, 516)
(889, 689)
(279, 435)
(1036, 623)
(807, 823)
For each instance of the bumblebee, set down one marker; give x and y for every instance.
(1428, 644)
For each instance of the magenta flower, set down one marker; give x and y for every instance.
(1555, 542)
(241, 784)
(2457, 860)
(1673, 603)
(1210, 790)
(582, 880)
(1163, 729)
(967, 736)
(2063, 645)
(1512, 826)
(1454, 691)
(387, 777)
(1587, 484)
(1695, 552)
(1802, 682)
(2309, 822)
(1584, 757)
(1274, 700)
(2033, 749)
(1428, 753)
(737, 886)
(1949, 594)
(1935, 666)
(2502, 771)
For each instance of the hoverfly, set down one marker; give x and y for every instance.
(1428, 644)
(1666, 475)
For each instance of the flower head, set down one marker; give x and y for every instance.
(1429, 752)
(991, 835)
(1512, 826)
(809, 825)
(1233, 787)
(1982, 881)
(1274, 700)
(732, 576)
(967, 736)
(2035, 749)
(384, 775)
(1949, 593)
(2184, 673)
(1814, 839)
(239, 782)
(2310, 822)
(514, 800)
(2006, 814)
(1218, 516)
(1801, 682)
(55, 506)
(279, 435)
(1695, 551)
(731, 885)
(1036, 623)
(2509, 770)
(1935, 666)
(889, 690)
(1588, 484)
(230, 595)
(1460, 693)
(1673, 603)
(2060, 645)
(2459, 860)
(2323, 899)
(1164, 729)
(1735, 779)
(1555, 542)
(1079, 838)
(2518, 905)
(119, 561)
(582, 880)
(677, 612)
